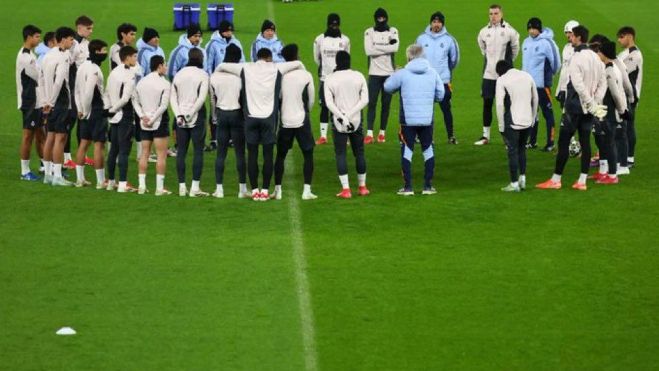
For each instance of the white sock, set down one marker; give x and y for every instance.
(67, 156)
(382, 132)
(630, 159)
(219, 188)
(522, 179)
(100, 176)
(486, 132)
(242, 188)
(160, 182)
(344, 181)
(369, 133)
(182, 187)
(515, 184)
(48, 168)
(142, 180)
(80, 173)
(323, 129)
(264, 192)
(195, 186)
(277, 189)
(361, 178)
(604, 166)
(556, 178)
(123, 184)
(307, 188)
(582, 178)
(57, 170)
(25, 167)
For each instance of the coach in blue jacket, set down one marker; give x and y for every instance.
(420, 87)
(541, 59)
(442, 51)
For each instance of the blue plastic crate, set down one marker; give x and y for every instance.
(218, 13)
(186, 14)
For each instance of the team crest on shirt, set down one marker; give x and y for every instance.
(341, 45)
(441, 45)
(537, 48)
(503, 33)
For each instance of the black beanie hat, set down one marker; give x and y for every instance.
(380, 13)
(232, 54)
(194, 29)
(225, 26)
(290, 52)
(333, 19)
(342, 60)
(267, 25)
(438, 16)
(608, 48)
(534, 23)
(148, 34)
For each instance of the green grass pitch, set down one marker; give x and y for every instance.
(469, 279)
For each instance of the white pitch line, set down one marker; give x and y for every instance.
(301, 279)
(299, 257)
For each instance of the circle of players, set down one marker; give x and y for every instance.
(265, 103)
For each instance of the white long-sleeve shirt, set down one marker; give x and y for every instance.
(616, 90)
(188, 94)
(89, 85)
(633, 59)
(27, 78)
(120, 88)
(346, 94)
(260, 83)
(55, 77)
(587, 77)
(380, 51)
(324, 52)
(626, 83)
(497, 42)
(225, 91)
(297, 97)
(79, 52)
(516, 100)
(151, 99)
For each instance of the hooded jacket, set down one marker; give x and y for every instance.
(541, 58)
(215, 50)
(274, 44)
(420, 87)
(441, 50)
(144, 54)
(41, 51)
(179, 57)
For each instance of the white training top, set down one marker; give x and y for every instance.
(296, 89)
(324, 52)
(380, 51)
(494, 41)
(633, 59)
(614, 84)
(260, 83)
(568, 52)
(188, 95)
(346, 94)
(26, 61)
(55, 76)
(586, 73)
(151, 99)
(225, 91)
(119, 91)
(88, 78)
(519, 87)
